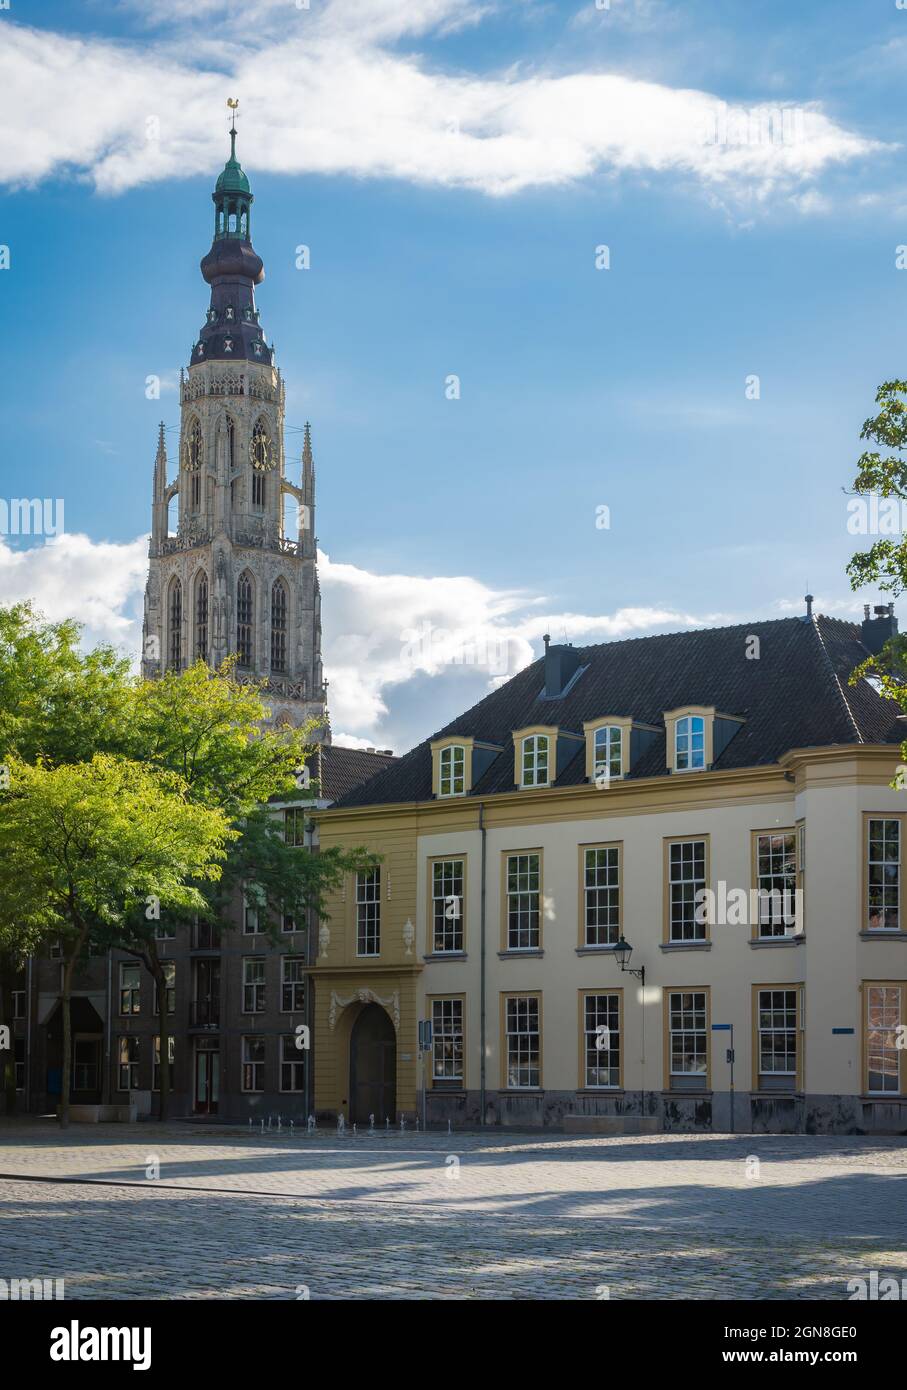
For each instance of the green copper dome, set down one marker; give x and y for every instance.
(232, 180)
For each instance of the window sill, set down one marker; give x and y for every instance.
(445, 955)
(882, 935)
(600, 1091)
(886, 1097)
(521, 1091)
(697, 1095)
(531, 951)
(596, 950)
(759, 942)
(685, 946)
(442, 1090)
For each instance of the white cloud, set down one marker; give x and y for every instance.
(328, 92)
(403, 653)
(98, 582)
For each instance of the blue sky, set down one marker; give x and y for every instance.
(453, 165)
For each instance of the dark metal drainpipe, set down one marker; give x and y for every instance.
(483, 833)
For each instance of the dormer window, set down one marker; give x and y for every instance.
(607, 752)
(689, 743)
(534, 761)
(452, 770)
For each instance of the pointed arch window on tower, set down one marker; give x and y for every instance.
(231, 442)
(244, 620)
(279, 606)
(176, 624)
(201, 617)
(193, 461)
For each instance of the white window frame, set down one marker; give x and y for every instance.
(443, 924)
(134, 991)
(156, 1060)
(602, 758)
(610, 886)
(131, 1065)
(296, 987)
(682, 1011)
(292, 1058)
(602, 1017)
(452, 770)
(518, 901)
(883, 888)
(535, 760)
(773, 878)
(447, 1015)
(254, 990)
(689, 728)
(368, 912)
(891, 1048)
(769, 1031)
(517, 1053)
(700, 927)
(256, 1065)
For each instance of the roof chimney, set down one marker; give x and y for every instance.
(561, 665)
(809, 606)
(880, 629)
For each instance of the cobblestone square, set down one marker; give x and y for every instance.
(189, 1211)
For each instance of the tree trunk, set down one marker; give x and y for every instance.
(160, 980)
(68, 971)
(7, 1056)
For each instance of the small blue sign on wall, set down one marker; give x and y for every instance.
(842, 1030)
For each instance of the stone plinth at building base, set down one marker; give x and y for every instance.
(612, 1124)
(101, 1114)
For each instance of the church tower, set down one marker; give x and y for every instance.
(230, 582)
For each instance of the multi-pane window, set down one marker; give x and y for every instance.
(253, 985)
(778, 1026)
(607, 762)
(250, 924)
(523, 900)
(279, 604)
(689, 742)
(18, 1003)
(287, 923)
(884, 876)
(20, 1063)
(156, 1064)
(130, 987)
(447, 1040)
(601, 1040)
(292, 984)
(294, 825)
(253, 1063)
(883, 1019)
(522, 1041)
(292, 1065)
(244, 620)
(601, 895)
(686, 879)
(535, 761)
(687, 1032)
(201, 617)
(368, 912)
(258, 489)
(176, 624)
(84, 1064)
(776, 880)
(447, 905)
(164, 930)
(128, 1064)
(452, 770)
(169, 968)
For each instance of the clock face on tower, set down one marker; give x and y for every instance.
(260, 453)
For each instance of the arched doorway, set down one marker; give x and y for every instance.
(373, 1067)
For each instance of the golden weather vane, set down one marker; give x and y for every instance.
(233, 103)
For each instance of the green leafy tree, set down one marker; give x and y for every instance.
(882, 472)
(83, 845)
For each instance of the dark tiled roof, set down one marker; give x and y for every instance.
(794, 695)
(344, 769)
